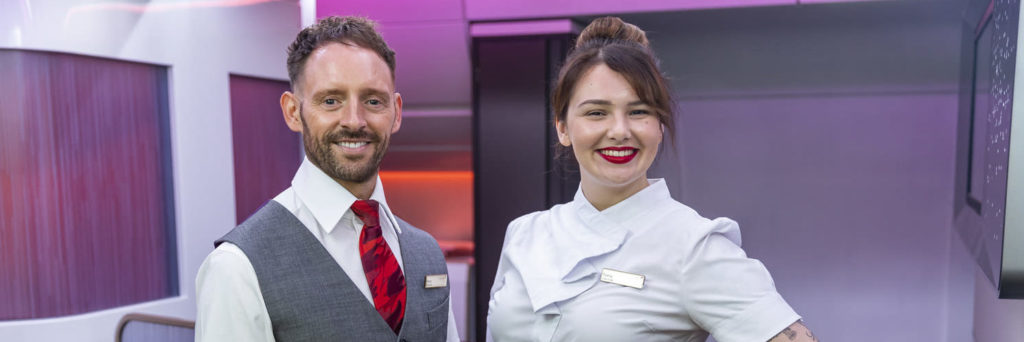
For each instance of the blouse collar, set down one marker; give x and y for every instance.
(578, 234)
(626, 211)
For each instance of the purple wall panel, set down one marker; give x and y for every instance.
(266, 152)
(85, 210)
(394, 10)
(842, 196)
(828, 133)
(430, 43)
(478, 10)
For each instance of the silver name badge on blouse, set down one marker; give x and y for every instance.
(435, 281)
(622, 278)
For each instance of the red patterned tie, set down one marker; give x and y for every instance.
(387, 284)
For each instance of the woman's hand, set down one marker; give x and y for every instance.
(796, 332)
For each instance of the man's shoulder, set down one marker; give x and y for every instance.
(269, 216)
(225, 259)
(270, 213)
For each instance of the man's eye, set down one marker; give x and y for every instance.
(330, 102)
(594, 113)
(374, 102)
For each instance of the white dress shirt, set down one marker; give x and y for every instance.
(697, 280)
(230, 304)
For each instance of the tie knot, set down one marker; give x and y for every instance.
(366, 210)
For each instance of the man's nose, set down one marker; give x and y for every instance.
(353, 115)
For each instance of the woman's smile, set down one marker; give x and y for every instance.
(619, 154)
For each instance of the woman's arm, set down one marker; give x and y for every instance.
(796, 332)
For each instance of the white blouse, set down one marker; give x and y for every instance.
(696, 277)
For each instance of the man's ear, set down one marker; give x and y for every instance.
(290, 108)
(398, 113)
(563, 133)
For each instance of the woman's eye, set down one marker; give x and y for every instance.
(639, 112)
(594, 113)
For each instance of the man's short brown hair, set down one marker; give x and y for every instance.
(357, 31)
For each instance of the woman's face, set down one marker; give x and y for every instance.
(613, 134)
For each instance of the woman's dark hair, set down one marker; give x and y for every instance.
(624, 48)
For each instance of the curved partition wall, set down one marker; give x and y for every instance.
(199, 44)
(266, 153)
(87, 209)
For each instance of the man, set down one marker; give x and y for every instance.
(277, 276)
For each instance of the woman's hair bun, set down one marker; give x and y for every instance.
(610, 29)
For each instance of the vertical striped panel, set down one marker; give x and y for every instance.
(266, 152)
(85, 207)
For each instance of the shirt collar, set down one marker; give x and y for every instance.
(328, 201)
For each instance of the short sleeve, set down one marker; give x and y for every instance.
(730, 295)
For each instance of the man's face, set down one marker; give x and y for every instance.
(346, 108)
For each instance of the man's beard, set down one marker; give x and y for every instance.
(321, 154)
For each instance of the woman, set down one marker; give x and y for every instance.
(623, 261)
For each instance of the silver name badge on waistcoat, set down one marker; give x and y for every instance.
(435, 281)
(622, 278)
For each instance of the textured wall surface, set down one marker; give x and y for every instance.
(266, 153)
(86, 213)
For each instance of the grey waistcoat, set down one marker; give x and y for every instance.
(310, 298)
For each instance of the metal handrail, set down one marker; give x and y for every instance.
(141, 317)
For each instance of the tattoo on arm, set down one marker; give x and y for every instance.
(797, 332)
(790, 334)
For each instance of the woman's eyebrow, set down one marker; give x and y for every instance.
(608, 103)
(597, 102)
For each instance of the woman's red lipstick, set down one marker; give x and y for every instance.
(621, 155)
